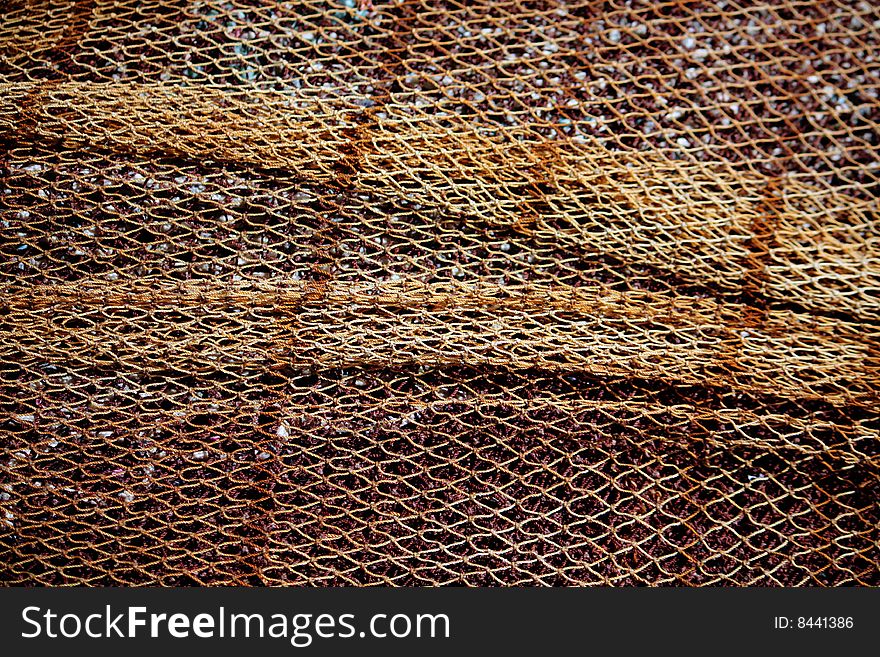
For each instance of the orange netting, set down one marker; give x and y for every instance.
(438, 292)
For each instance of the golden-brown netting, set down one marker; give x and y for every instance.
(439, 292)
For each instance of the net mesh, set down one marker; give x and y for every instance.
(423, 292)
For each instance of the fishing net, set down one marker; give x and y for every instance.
(436, 292)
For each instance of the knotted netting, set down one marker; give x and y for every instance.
(439, 292)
